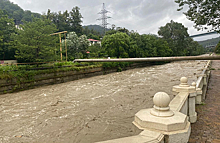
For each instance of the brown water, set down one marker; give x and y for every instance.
(88, 110)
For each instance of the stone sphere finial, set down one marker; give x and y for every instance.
(193, 84)
(161, 105)
(161, 99)
(184, 82)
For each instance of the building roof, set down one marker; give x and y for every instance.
(93, 40)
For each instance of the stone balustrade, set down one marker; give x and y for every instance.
(202, 84)
(170, 121)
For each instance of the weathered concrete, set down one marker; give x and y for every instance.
(187, 105)
(145, 136)
(173, 124)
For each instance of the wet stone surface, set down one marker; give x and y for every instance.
(92, 109)
(207, 127)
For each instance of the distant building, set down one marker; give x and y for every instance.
(92, 42)
(18, 27)
(8, 62)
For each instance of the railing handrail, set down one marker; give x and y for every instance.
(178, 101)
(151, 59)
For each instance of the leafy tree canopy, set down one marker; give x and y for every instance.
(6, 29)
(178, 40)
(118, 29)
(117, 45)
(202, 12)
(175, 34)
(16, 12)
(217, 48)
(76, 46)
(66, 21)
(34, 43)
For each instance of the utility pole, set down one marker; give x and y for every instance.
(59, 33)
(104, 18)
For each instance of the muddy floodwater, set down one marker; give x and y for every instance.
(91, 109)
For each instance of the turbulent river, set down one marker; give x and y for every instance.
(91, 109)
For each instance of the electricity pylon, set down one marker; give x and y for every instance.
(104, 18)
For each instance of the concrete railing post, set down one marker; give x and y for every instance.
(205, 79)
(191, 90)
(172, 124)
(192, 108)
(198, 96)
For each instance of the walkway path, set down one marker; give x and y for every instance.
(207, 127)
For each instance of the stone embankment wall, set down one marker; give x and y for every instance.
(12, 85)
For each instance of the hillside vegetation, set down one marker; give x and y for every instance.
(212, 41)
(96, 28)
(16, 12)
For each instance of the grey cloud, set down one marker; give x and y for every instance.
(145, 16)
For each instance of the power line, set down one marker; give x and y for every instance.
(104, 17)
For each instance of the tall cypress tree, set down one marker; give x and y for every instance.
(75, 20)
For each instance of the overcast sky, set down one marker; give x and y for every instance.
(143, 16)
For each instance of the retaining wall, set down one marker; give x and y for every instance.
(12, 85)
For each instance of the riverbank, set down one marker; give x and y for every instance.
(19, 79)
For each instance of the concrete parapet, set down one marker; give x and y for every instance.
(145, 136)
(173, 124)
(188, 95)
(179, 103)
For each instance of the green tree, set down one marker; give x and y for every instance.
(72, 42)
(92, 36)
(27, 16)
(135, 41)
(162, 48)
(110, 32)
(117, 45)
(202, 12)
(7, 27)
(66, 21)
(75, 20)
(217, 48)
(96, 50)
(124, 30)
(83, 45)
(34, 43)
(17, 13)
(175, 34)
(118, 29)
(146, 47)
(77, 46)
(59, 19)
(193, 48)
